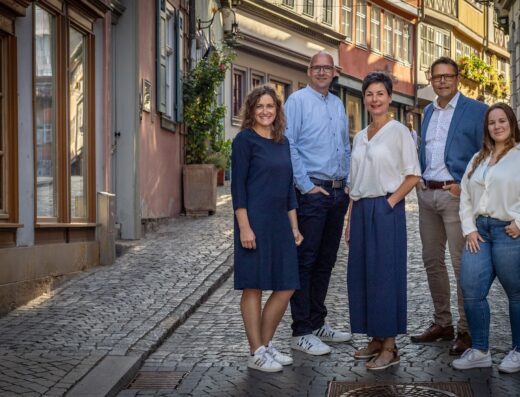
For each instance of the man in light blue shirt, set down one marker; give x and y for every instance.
(317, 130)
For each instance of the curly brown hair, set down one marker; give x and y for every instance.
(489, 144)
(248, 110)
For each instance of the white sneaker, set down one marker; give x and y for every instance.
(310, 344)
(262, 361)
(473, 358)
(510, 363)
(328, 334)
(281, 358)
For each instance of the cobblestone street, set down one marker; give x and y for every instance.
(211, 346)
(143, 310)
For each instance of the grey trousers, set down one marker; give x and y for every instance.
(439, 222)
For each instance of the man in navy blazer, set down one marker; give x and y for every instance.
(452, 132)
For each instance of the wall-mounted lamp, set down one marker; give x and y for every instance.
(229, 22)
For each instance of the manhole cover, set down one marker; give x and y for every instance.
(354, 389)
(153, 380)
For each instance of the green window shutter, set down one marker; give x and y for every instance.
(160, 61)
(179, 103)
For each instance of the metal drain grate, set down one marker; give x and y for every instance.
(441, 389)
(153, 380)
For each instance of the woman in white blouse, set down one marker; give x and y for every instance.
(490, 216)
(384, 169)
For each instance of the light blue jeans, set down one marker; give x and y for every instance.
(499, 256)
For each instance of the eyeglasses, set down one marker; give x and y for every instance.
(448, 78)
(319, 68)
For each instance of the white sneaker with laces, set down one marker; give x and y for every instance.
(262, 361)
(510, 363)
(281, 358)
(310, 344)
(327, 334)
(473, 358)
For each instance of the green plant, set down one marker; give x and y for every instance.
(202, 113)
(474, 68)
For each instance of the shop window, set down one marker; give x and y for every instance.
(63, 113)
(354, 113)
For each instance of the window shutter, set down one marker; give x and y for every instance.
(179, 103)
(160, 47)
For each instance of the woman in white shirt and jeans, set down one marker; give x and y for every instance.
(490, 216)
(384, 169)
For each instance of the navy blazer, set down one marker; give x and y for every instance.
(464, 135)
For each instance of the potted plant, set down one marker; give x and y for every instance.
(206, 148)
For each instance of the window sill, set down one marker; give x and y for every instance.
(11, 225)
(64, 225)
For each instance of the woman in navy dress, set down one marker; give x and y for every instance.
(266, 227)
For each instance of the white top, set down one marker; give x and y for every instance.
(379, 166)
(436, 136)
(491, 191)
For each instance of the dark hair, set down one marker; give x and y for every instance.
(444, 61)
(249, 106)
(488, 142)
(377, 77)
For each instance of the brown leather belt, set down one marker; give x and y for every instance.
(438, 184)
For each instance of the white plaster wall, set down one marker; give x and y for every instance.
(23, 27)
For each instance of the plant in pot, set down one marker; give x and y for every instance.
(206, 148)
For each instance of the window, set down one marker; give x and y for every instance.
(346, 18)
(63, 110)
(327, 12)
(361, 23)
(78, 146)
(282, 88)
(458, 49)
(238, 89)
(308, 7)
(434, 44)
(170, 28)
(257, 79)
(375, 28)
(388, 47)
(288, 3)
(8, 136)
(407, 43)
(45, 107)
(354, 112)
(398, 38)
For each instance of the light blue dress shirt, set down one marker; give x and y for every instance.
(317, 130)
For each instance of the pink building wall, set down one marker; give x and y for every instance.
(161, 151)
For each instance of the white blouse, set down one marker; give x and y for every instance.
(380, 165)
(491, 191)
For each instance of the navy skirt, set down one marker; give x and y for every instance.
(376, 272)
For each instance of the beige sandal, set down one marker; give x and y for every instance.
(394, 361)
(366, 353)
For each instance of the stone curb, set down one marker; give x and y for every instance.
(123, 368)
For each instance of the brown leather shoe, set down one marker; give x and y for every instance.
(434, 333)
(462, 343)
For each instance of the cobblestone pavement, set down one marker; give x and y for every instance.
(128, 308)
(211, 346)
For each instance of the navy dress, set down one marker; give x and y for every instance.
(262, 182)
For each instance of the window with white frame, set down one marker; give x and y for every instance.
(288, 3)
(346, 18)
(238, 91)
(388, 42)
(327, 12)
(375, 28)
(361, 22)
(308, 7)
(398, 38)
(434, 44)
(407, 43)
(169, 79)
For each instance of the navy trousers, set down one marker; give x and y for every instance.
(320, 220)
(376, 272)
